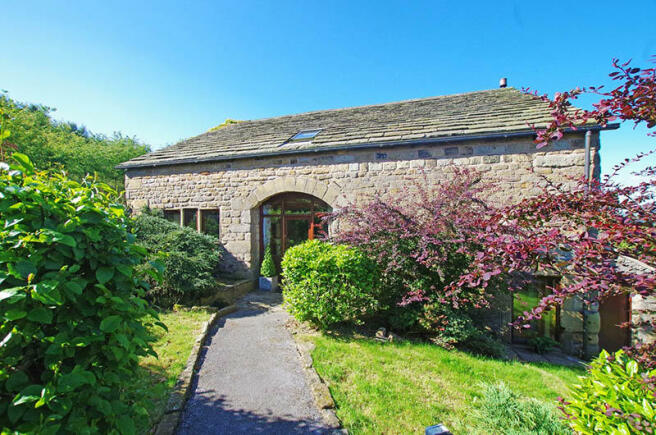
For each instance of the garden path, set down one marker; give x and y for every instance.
(250, 378)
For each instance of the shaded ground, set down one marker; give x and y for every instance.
(250, 379)
(554, 356)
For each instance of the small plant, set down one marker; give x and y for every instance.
(501, 410)
(483, 343)
(616, 396)
(327, 284)
(268, 268)
(542, 345)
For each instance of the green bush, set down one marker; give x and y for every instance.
(74, 321)
(268, 268)
(502, 411)
(190, 259)
(615, 396)
(451, 328)
(542, 344)
(326, 284)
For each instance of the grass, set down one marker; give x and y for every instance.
(157, 376)
(401, 388)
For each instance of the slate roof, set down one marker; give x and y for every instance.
(502, 111)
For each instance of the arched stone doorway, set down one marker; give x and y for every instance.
(288, 219)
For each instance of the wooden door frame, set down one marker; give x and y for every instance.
(283, 217)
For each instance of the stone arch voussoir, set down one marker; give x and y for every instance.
(327, 192)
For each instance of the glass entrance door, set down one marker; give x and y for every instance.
(298, 230)
(289, 219)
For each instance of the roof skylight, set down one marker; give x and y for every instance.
(305, 135)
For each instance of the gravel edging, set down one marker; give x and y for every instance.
(320, 392)
(178, 397)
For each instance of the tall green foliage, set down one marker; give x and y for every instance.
(190, 259)
(67, 146)
(74, 321)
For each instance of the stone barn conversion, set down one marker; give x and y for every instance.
(265, 182)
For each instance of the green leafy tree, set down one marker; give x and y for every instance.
(5, 146)
(74, 321)
(66, 145)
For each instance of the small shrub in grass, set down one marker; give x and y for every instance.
(326, 284)
(190, 259)
(74, 321)
(483, 343)
(450, 328)
(502, 411)
(616, 396)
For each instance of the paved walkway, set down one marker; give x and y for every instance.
(250, 379)
(554, 356)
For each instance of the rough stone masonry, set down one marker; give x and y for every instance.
(352, 155)
(238, 187)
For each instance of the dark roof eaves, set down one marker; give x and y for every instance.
(363, 145)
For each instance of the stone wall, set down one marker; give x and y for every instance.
(643, 308)
(644, 315)
(238, 187)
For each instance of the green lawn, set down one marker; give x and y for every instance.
(157, 376)
(402, 388)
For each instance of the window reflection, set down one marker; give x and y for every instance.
(190, 218)
(172, 216)
(209, 222)
(529, 298)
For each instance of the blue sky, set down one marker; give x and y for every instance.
(167, 70)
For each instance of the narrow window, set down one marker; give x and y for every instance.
(209, 222)
(190, 218)
(172, 216)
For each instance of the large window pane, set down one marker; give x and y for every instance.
(320, 206)
(525, 301)
(190, 219)
(298, 206)
(209, 222)
(297, 231)
(272, 236)
(172, 216)
(272, 207)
